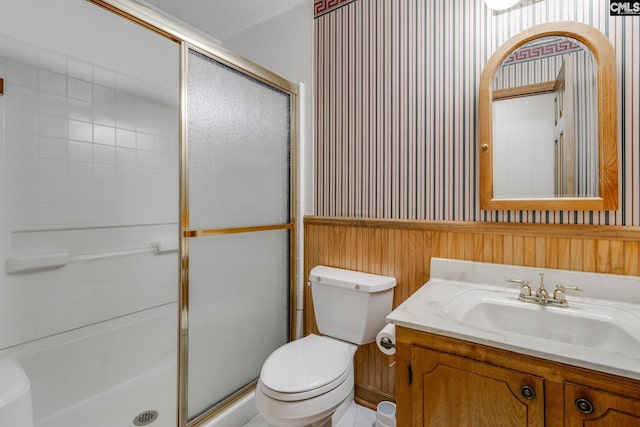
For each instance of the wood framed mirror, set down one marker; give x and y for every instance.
(565, 142)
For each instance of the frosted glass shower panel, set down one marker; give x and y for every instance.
(238, 311)
(239, 139)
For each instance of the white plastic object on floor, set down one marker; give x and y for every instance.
(386, 414)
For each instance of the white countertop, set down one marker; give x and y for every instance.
(429, 310)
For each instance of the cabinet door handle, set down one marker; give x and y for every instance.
(584, 406)
(528, 392)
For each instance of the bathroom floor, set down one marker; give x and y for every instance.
(362, 417)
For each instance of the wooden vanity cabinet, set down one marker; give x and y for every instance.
(450, 390)
(609, 410)
(444, 382)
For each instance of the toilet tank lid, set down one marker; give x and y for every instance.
(13, 379)
(356, 280)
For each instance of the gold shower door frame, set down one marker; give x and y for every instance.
(190, 40)
(186, 234)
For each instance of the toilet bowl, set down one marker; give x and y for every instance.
(310, 381)
(303, 382)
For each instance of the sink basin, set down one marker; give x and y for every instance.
(581, 324)
(473, 301)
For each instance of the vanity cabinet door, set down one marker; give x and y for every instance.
(586, 406)
(454, 391)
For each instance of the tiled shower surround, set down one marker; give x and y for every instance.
(89, 166)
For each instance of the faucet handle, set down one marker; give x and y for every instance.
(525, 287)
(560, 292)
(567, 288)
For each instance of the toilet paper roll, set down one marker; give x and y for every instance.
(388, 332)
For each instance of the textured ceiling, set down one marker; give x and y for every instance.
(223, 18)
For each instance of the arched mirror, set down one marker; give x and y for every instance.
(548, 121)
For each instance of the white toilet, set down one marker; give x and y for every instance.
(309, 382)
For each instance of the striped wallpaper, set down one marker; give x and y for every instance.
(396, 86)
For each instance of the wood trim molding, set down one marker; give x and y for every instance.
(526, 90)
(612, 232)
(370, 396)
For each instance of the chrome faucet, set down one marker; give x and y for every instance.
(541, 295)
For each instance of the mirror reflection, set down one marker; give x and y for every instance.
(545, 121)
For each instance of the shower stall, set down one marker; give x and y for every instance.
(147, 199)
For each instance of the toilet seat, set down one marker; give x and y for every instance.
(306, 368)
(291, 397)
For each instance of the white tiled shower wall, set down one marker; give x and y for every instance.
(89, 166)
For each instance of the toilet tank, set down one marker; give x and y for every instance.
(350, 305)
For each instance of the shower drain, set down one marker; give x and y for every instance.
(147, 417)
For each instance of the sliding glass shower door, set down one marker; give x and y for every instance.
(237, 228)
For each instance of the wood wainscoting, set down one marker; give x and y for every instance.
(403, 249)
